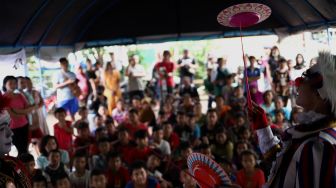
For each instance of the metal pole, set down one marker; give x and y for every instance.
(329, 37)
(38, 58)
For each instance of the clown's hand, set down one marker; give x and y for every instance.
(257, 117)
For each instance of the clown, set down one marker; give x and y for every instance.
(306, 154)
(11, 170)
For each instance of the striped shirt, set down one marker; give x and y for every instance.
(307, 158)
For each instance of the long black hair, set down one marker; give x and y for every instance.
(6, 79)
(44, 142)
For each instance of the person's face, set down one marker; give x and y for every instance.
(104, 147)
(39, 184)
(123, 137)
(246, 134)
(185, 53)
(54, 158)
(61, 116)
(158, 135)
(139, 177)
(279, 117)
(269, 96)
(185, 153)
(153, 162)
(5, 134)
(64, 66)
(166, 58)
(99, 121)
(142, 142)
(299, 59)
(63, 183)
(98, 181)
(133, 117)
(11, 85)
(115, 163)
(187, 180)
(30, 166)
(83, 114)
(22, 83)
(212, 118)
(219, 101)
(241, 148)
(279, 104)
(240, 121)
(207, 152)
(167, 130)
(80, 163)
(221, 138)
(29, 84)
(248, 161)
(306, 96)
(275, 52)
(186, 81)
(51, 145)
(283, 65)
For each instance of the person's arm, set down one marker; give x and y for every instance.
(127, 72)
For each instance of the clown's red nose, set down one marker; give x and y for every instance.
(298, 81)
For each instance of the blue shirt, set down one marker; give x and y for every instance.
(151, 183)
(65, 92)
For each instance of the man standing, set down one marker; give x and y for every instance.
(64, 82)
(135, 73)
(187, 65)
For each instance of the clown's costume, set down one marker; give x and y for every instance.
(12, 171)
(306, 154)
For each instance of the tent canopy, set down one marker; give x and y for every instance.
(87, 23)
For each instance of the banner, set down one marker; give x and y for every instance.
(12, 64)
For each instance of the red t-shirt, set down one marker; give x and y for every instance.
(163, 68)
(174, 141)
(139, 154)
(64, 138)
(132, 129)
(118, 178)
(255, 181)
(17, 101)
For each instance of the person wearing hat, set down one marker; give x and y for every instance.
(306, 154)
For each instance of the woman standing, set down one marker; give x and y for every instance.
(18, 110)
(112, 87)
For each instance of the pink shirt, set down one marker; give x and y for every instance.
(18, 101)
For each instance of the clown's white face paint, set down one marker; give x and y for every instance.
(5, 134)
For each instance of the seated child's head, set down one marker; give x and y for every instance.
(167, 129)
(219, 100)
(61, 181)
(99, 121)
(154, 159)
(205, 149)
(186, 178)
(279, 116)
(111, 128)
(28, 160)
(225, 164)
(157, 133)
(104, 146)
(101, 132)
(83, 130)
(60, 114)
(141, 138)
(245, 133)
(181, 118)
(248, 159)
(240, 119)
(139, 173)
(133, 115)
(83, 112)
(123, 135)
(98, 179)
(102, 110)
(80, 161)
(54, 158)
(241, 146)
(191, 119)
(185, 149)
(39, 181)
(47, 144)
(221, 136)
(114, 161)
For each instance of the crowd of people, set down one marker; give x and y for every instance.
(142, 138)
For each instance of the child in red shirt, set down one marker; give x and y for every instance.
(63, 130)
(165, 71)
(134, 124)
(141, 151)
(250, 176)
(117, 175)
